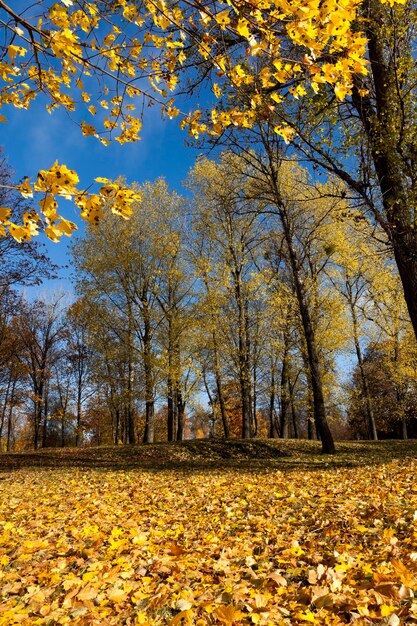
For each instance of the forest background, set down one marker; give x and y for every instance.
(252, 286)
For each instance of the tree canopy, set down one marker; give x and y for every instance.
(101, 61)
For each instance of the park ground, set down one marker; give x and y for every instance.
(210, 532)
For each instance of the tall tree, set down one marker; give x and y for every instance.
(132, 266)
(221, 218)
(40, 326)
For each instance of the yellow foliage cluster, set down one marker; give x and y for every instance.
(73, 50)
(81, 546)
(59, 181)
(141, 49)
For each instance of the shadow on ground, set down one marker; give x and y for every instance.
(202, 455)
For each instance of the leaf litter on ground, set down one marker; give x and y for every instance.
(319, 543)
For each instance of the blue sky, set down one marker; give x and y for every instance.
(35, 139)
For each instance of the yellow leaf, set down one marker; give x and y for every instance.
(184, 617)
(286, 132)
(18, 232)
(227, 614)
(13, 51)
(87, 593)
(308, 616)
(4, 215)
(25, 189)
(216, 90)
(243, 28)
(87, 129)
(223, 18)
(386, 610)
(117, 595)
(89, 576)
(341, 90)
(67, 227)
(276, 97)
(53, 233)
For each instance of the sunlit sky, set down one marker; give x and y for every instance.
(35, 139)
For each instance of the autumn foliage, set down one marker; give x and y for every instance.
(106, 62)
(288, 541)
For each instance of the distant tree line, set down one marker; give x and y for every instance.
(222, 313)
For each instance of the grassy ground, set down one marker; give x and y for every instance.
(205, 454)
(204, 533)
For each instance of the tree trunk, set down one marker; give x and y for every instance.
(285, 401)
(254, 398)
(381, 117)
(219, 388)
(45, 416)
(149, 434)
(131, 431)
(10, 416)
(37, 419)
(181, 415)
(293, 413)
(320, 418)
(243, 355)
(6, 397)
(63, 429)
(212, 419)
(311, 430)
(319, 411)
(170, 409)
(79, 415)
(372, 432)
(273, 426)
(117, 426)
(9, 428)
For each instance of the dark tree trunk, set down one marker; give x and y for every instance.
(311, 430)
(4, 409)
(372, 432)
(63, 430)
(285, 401)
(273, 426)
(405, 252)
(131, 430)
(170, 410)
(117, 426)
(10, 415)
(37, 419)
(181, 415)
(254, 401)
(392, 153)
(246, 407)
(9, 427)
(45, 415)
(148, 436)
(319, 410)
(293, 413)
(79, 415)
(223, 413)
(243, 355)
(219, 389)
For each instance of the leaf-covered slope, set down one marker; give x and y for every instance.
(220, 546)
(215, 453)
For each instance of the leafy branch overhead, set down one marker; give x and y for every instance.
(108, 60)
(60, 181)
